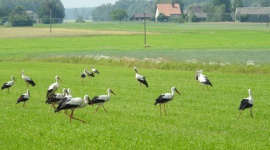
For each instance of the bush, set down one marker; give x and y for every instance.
(21, 23)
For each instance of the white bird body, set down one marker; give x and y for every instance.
(101, 99)
(77, 102)
(53, 87)
(168, 96)
(202, 78)
(24, 97)
(72, 104)
(140, 78)
(28, 80)
(89, 74)
(8, 84)
(94, 70)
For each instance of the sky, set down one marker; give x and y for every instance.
(85, 3)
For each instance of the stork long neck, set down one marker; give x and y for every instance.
(249, 94)
(173, 92)
(57, 82)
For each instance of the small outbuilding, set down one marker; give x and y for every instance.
(252, 14)
(198, 12)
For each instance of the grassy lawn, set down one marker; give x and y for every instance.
(233, 43)
(196, 119)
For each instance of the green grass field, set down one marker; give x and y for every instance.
(196, 119)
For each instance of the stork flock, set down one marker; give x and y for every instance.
(66, 101)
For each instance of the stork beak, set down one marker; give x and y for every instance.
(90, 103)
(177, 91)
(112, 92)
(59, 79)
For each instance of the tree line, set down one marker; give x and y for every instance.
(125, 9)
(53, 11)
(16, 11)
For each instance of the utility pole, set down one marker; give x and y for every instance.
(144, 29)
(144, 18)
(50, 20)
(49, 5)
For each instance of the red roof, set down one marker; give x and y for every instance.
(169, 9)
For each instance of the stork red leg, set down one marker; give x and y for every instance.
(97, 108)
(160, 109)
(240, 114)
(71, 117)
(66, 112)
(165, 108)
(251, 113)
(104, 109)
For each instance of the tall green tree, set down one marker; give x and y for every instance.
(18, 17)
(37, 6)
(226, 3)
(118, 15)
(235, 4)
(51, 7)
(265, 3)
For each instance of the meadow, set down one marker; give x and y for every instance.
(196, 119)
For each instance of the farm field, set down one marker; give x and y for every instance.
(196, 119)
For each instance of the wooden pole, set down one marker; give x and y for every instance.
(144, 29)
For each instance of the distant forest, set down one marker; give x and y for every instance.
(132, 7)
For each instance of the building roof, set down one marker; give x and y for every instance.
(198, 11)
(253, 10)
(169, 9)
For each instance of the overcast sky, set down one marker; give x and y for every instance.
(85, 3)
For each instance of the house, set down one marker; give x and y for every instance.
(141, 16)
(198, 12)
(252, 14)
(32, 16)
(169, 10)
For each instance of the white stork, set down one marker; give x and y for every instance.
(72, 105)
(88, 73)
(246, 103)
(202, 78)
(101, 99)
(165, 98)
(8, 84)
(68, 97)
(94, 70)
(53, 87)
(28, 80)
(24, 97)
(140, 78)
(56, 98)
